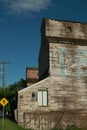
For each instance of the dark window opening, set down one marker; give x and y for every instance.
(69, 29)
(34, 96)
(21, 96)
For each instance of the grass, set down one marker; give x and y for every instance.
(10, 125)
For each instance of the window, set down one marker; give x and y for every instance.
(69, 29)
(34, 96)
(21, 96)
(42, 98)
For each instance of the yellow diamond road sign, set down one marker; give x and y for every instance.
(4, 102)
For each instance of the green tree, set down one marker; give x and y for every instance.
(11, 95)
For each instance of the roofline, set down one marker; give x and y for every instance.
(29, 87)
(31, 68)
(43, 19)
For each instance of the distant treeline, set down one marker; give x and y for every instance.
(12, 89)
(10, 94)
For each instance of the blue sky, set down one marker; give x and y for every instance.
(20, 22)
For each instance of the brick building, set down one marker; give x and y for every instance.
(31, 76)
(60, 97)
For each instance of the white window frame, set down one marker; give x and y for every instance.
(43, 98)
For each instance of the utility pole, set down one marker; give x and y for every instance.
(4, 74)
(4, 85)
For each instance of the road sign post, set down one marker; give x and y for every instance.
(3, 120)
(3, 102)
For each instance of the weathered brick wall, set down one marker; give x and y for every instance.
(31, 75)
(65, 29)
(41, 120)
(68, 71)
(25, 102)
(66, 60)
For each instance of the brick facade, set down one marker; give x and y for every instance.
(63, 64)
(31, 76)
